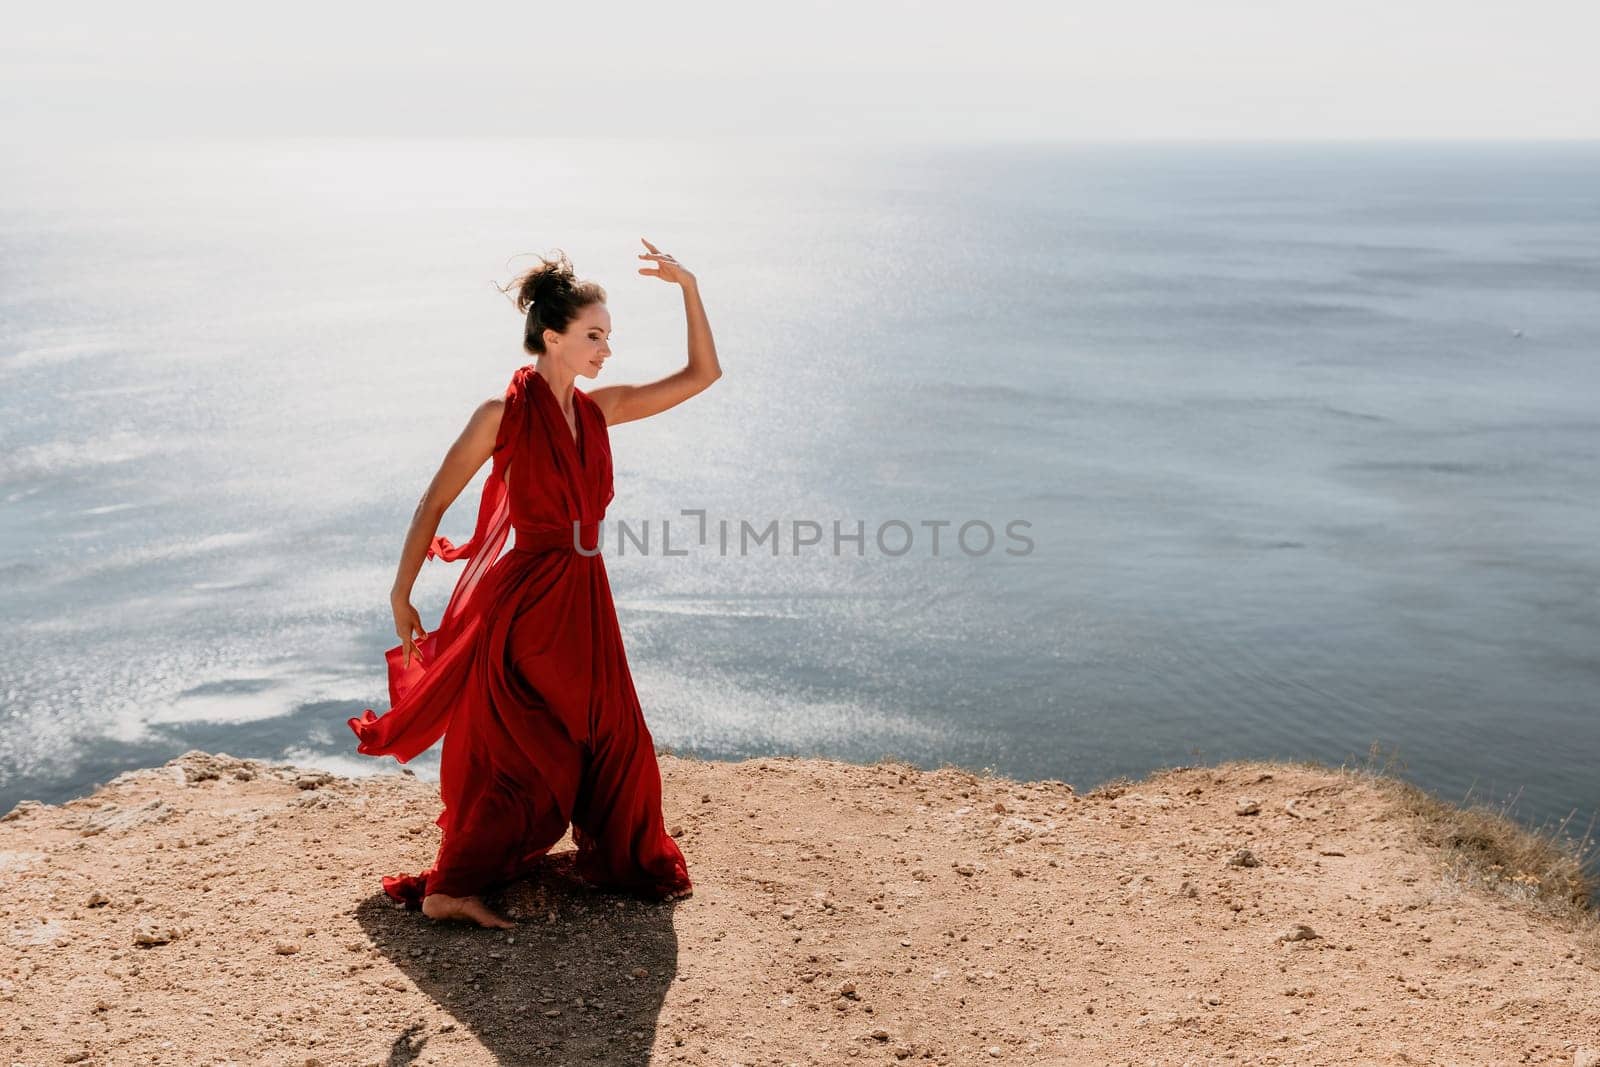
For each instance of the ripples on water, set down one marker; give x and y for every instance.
(1306, 438)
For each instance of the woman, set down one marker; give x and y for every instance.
(527, 668)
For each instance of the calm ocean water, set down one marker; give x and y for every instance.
(1306, 440)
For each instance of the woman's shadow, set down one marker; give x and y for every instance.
(582, 975)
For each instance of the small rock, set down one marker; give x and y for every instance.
(1243, 858)
(705, 798)
(75, 1057)
(995, 1050)
(880, 1034)
(640, 972)
(286, 948)
(97, 899)
(196, 771)
(1298, 932)
(24, 807)
(1248, 806)
(155, 935)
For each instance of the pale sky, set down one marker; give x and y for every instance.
(1107, 70)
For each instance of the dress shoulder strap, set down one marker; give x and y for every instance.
(513, 417)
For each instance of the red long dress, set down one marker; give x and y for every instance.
(526, 679)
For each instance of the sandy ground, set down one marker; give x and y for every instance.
(219, 911)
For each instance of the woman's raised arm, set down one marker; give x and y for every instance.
(625, 403)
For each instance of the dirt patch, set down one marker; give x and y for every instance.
(218, 910)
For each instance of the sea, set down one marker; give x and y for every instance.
(1067, 461)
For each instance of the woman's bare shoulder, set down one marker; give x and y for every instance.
(490, 410)
(484, 425)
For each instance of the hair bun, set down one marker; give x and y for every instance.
(550, 295)
(544, 283)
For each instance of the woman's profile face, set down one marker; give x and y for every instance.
(586, 343)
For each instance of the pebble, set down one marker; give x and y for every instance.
(155, 936)
(880, 1034)
(1244, 858)
(286, 948)
(1298, 932)
(1248, 807)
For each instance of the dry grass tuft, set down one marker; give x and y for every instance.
(1485, 846)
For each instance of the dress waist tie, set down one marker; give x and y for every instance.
(571, 536)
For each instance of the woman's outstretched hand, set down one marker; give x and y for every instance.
(666, 268)
(408, 627)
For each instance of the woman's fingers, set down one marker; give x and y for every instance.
(410, 631)
(666, 268)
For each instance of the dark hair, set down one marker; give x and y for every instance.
(550, 295)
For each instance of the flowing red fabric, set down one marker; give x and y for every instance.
(527, 681)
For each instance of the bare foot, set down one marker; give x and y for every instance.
(438, 906)
(686, 891)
